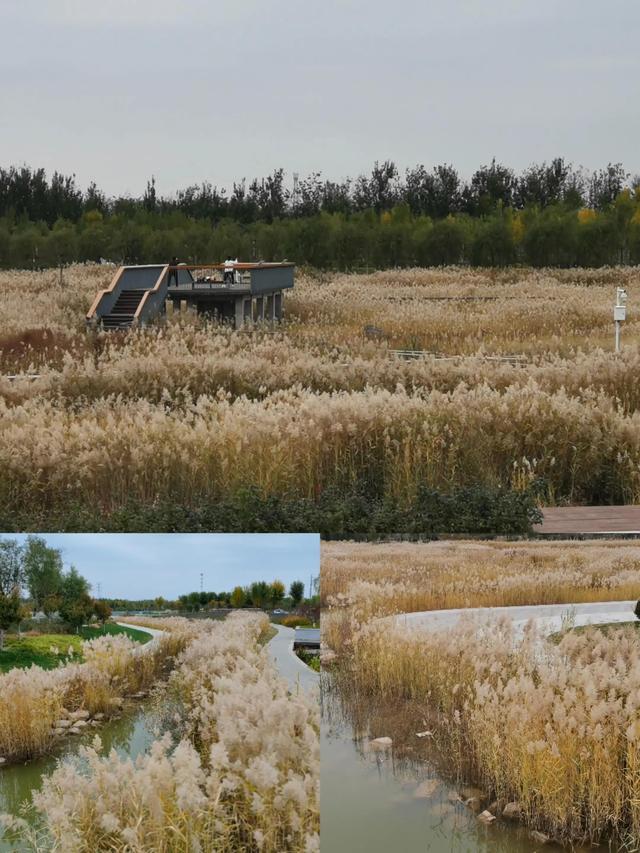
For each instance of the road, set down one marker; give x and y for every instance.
(291, 668)
(549, 618)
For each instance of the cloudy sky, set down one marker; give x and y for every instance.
(145, 565)
(115, 90)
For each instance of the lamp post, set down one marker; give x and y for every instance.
(619, 313)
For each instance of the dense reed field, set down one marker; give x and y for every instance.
(403, 577)
(36, 704)
(554, 728)
(188, 413)
(235, 766)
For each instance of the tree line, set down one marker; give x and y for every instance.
(551, 214)
(33, 579)
(257, 594)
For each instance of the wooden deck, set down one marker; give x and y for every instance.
(586, 521)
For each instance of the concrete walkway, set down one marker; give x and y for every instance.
(548, 618)
(291, 668)
(155, 633)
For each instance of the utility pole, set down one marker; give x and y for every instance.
(201, 581)
(296, 178)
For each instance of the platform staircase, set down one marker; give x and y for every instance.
(124, 310)
(135, 297)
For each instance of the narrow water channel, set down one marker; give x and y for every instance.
(375, 801)
(130, 735)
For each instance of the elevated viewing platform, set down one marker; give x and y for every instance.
(234, 293)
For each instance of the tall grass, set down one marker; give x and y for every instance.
(402, 577)
(298, 443)
(237, 768)
(33, 700)
(553, 727)
(189, 412)
(556, 730)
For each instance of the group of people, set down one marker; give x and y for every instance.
(229, 270)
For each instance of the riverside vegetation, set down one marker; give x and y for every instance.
(235, 769)
(551, 728)
(317, 425)
(38, 706)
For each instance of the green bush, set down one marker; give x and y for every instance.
(361, 513)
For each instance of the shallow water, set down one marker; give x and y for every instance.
(368, 802)
(131, 735)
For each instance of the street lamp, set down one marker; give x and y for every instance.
(619, 313)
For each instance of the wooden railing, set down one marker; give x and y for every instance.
(102, 293)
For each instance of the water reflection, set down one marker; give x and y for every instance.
(130, 735)
(398, 798)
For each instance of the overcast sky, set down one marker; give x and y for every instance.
(145, 565)
(115, 90)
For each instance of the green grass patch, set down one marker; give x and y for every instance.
(311, 660)
(39, 649)
(89, 632)
(25, 651)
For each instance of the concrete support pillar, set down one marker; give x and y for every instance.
(169, 307)
(269, 316)
(183, 306)
(278, 306)
(259, 309)
(246, 311)
(239, 312)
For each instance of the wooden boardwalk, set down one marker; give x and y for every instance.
(585, 521)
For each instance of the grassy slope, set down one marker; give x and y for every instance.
(26, 651)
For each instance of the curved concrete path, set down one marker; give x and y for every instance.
(548, 618)
(156, 633)
(291, 668)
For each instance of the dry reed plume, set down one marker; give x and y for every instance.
(188, 411)
(32, 700)
(554, 727)
(237, 768)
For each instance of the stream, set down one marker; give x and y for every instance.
(372, 802)
(130, 735)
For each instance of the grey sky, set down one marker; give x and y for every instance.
(142, 565)
(118, 89)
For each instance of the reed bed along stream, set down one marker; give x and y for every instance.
(553, 728)
(235, 765)
(39, 706)
(187, 412)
